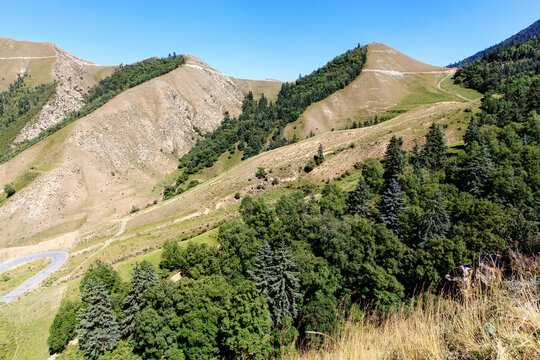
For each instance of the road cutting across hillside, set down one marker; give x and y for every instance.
(59, 258)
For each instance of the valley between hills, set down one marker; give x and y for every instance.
(110, 185)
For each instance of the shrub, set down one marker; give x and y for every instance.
(9, 190)
(63, 327)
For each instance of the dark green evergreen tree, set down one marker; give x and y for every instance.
(435, 150)
(394, 159)
(98, 329)
(284, 290)
(479, 169)
(359, 198)
(471, 134)
(262, 268)
(391, 205)
(435, 223)
(143, 276)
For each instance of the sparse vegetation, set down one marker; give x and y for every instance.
(260, 118)
(127, 76)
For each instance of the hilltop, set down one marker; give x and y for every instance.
(47, 63)
(390, 83)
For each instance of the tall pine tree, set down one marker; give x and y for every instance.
(435, 150)
(394, 159)
(435, 223)
(143, 277)
(479, 168)
(391, 205)
(261, 273)
(98, 329)
(359, 198)
(471, 134)
(284, 290)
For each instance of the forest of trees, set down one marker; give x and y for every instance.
(18, 105)
(261, 119)
(125, 77)
(300, 266)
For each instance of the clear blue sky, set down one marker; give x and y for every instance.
(265, 39)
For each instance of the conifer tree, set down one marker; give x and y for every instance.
(394, 159)
(319, 158)
(262, 268)
(98, 329)
(392, 203)
(143, 276)
(436, 222)
(435, 150)
(471, 134)
(479, 168)
(358, 201)
(284, 290)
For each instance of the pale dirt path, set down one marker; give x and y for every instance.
(450, 73)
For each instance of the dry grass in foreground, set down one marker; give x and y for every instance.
(502, 322)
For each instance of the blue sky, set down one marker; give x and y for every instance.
(270, 39)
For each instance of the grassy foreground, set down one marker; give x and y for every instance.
(502, 322)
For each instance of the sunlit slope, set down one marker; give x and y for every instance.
(17, 57)
(390, 83)
(101, 166)
(46, 63)
(270, 88)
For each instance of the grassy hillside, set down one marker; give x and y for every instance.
(205, 207)
(390, 84)
(250, 132)
(34, 58)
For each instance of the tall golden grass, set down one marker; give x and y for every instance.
(498, 321)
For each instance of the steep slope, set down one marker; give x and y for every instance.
(389, 79)
(102, 165)
(46, 63)
(532, 30)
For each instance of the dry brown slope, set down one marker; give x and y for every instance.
(286, 163)
(390, 78)
(45, 63)
(270, 88)
(17, 57)
(97, 168)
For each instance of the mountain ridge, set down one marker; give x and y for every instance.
(531, 30)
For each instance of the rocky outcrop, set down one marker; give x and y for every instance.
(74, 78)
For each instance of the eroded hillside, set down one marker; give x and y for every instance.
(104, 164)
(47, 63)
